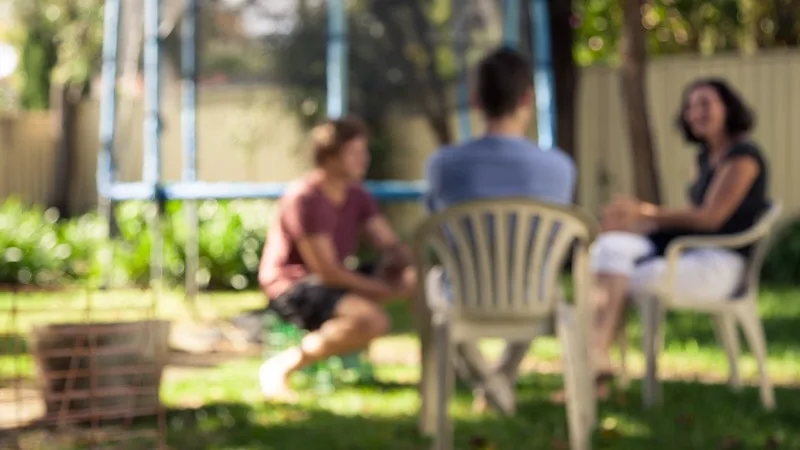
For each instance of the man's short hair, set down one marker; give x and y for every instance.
(504, 77)
(329, 137)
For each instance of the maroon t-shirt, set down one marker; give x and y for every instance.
(303, 211)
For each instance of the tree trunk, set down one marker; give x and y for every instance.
(788, 27)
(634, 93)
(566, 75)
(66, 99)
(564, 70)
(425, 35)
(431, 90)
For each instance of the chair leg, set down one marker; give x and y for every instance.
(578, 383)
(652, 314)
(423, 322)
(747, 313)
(445, 381)
(727, 334)
(427, 385)
(511, 359)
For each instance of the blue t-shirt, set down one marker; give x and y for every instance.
(498, 166)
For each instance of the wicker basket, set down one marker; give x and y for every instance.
(104, 371)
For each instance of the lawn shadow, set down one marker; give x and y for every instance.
(392, 386)
(243, 426)
(382, 386)
(693, 416)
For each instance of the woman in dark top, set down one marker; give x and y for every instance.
(728, 196)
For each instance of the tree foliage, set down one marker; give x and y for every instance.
(60, 41)
(687, 26)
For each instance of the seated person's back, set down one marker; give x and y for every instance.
(503, 163)
(497, 167)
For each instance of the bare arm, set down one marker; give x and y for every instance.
(318, 253)
(384, 238)
(381, 234)
(730, 185)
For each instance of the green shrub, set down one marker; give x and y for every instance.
(38, 248)
(83, 239)
(782, 265)
(29, 245)
(230, 238)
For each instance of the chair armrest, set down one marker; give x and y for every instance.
(732, 241)
(760, 230)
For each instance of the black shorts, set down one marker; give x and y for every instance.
(309, 303)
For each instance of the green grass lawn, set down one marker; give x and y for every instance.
(220, 407)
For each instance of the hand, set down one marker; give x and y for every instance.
(628, 214)
(620, 214)
(393, 262)
(405, 284)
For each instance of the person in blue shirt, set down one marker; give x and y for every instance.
(502, 163)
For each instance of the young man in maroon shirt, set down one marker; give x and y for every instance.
(303, 270)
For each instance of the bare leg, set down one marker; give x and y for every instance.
(356, 322)
(610, 294)
(610, 297)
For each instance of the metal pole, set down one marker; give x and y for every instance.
(189, 130)
(337, 59)
(543, 78)
(108, 113)
(151, 167)
(460, 42)
(511, 23)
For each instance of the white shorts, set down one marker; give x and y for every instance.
(707, 274)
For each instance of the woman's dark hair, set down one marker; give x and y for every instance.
(739, 118)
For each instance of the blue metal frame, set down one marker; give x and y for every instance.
(543, 77)
(511, 23)
(389, 191)
(151, 161)
(190, 189)
(108, 93)
(189, 130)
(463, 94)
(189, 90)
(337, 59)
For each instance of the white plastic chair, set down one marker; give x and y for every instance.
(502, 260)
(741, 309)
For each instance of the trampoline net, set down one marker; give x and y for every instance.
(262, 83)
